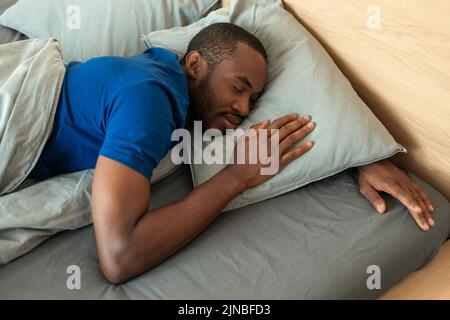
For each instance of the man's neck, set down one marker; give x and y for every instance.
(189, 123)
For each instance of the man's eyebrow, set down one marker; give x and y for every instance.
(245, 81)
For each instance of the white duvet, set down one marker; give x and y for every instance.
(31, 76)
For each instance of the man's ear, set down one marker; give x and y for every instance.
(196, 65)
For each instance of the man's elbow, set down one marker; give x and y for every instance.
(115, 274)
(114, 265)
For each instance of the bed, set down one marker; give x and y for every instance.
(287, 247)
(317, 242)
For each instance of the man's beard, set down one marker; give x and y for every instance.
(200, 100)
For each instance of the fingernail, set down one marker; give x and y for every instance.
(380, 208)
(310, 125)
(307, 118)
(431, 222)
(426, 227)
(431, 207)
(418, 209)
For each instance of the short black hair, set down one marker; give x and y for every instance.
(217, 42)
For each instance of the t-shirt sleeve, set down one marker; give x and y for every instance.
(139, 125)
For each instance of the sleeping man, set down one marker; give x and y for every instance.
(116, 114)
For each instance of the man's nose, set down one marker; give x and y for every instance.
(242, 107)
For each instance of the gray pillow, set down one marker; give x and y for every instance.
(303, 79)
(87, 28)
(8, 35)
(164, 168)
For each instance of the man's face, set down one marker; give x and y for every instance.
(224, 97)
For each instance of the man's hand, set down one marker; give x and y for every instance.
(291, 130)
(386, 177)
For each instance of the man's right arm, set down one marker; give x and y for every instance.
(131, 240)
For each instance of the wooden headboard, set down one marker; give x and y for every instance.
(396, 54)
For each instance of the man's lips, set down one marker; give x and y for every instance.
(232, 118)
(228, 124)
(231, 121)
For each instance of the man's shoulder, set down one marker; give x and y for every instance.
(162, 53)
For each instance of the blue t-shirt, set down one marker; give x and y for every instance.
(124, 108)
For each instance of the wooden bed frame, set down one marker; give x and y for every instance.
(396, 54)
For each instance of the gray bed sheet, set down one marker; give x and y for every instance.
(6, 34)
(316, 242)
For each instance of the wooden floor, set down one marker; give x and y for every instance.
(431, 282)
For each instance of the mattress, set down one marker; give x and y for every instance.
(317, 242)
(6, 34)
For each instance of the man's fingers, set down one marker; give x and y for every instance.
(407, 199)
(420, 220)
(295, 136)
(278, 123)
(425, 212)
(423, 195)
(294, 126)
(288, 157)
(373, 196)
(261, 125)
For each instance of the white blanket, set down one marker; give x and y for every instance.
(31, 76)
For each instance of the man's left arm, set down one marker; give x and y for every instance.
(386, 177)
